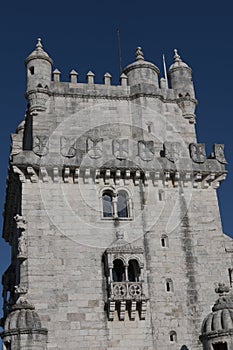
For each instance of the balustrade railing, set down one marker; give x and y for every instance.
(125, 290)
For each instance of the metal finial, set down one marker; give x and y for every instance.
(139, 54)
(39, 45)
(177, 56)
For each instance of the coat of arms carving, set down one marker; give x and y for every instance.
(40, 145)
(146, 150)
(95, 148)
(120, 148)
(68, 146)
(219, 153)
(172, 150)
(197, 152)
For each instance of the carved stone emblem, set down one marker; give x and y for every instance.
(41, 145)
(197, 152)
(172, 150)
(146, 150)
(21, 290)
(219, 153)
(20, 222)
(95, 148)
(120, 148)
(68, 146)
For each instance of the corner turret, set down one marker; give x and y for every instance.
(180, 76)
(22, 328)
(217, 327)
(39, 70)
(141, 71)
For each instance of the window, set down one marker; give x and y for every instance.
(107, 205)
(220, 346)
(31, 70)
(173, 336)
(164, 241)
(133, 271)
(116, 204)
(7, 345)
(118, 271)
(161, 195)
(122, 205)
(169, 285)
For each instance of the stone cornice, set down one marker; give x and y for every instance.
(18, 331)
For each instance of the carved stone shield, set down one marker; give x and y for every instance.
(172, 150)
(95, 148)
(40, 145)
(219, 153)
(197, 152)
(68, 147)
(120, 148)
(146, 150)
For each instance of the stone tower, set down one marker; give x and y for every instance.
(112, 215)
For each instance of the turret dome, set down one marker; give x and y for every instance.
(178, 63)
(141, 71)
(23, 316)
(38, 53)
(221, 317)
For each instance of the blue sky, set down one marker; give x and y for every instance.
(84, 37)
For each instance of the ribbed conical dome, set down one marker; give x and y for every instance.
(23, 316)
(221, 317)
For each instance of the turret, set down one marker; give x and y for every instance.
(39, 70)
(141, 71)
(180, 76)
(22, 328)
(217, 327)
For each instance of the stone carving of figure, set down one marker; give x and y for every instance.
(22, 246)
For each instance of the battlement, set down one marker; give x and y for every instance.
(140, 78)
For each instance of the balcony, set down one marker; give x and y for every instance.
(126, 296)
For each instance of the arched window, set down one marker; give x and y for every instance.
(164, 241)
(133, 271)
(169, 285)
(31, 70)
(107, 204)
(122, 205)
(118, 271)
(116, 204)
(220, 346)
(173, 337)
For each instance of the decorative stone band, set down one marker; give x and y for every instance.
(217, 334)
(170, 178)
(126, 291)
(131, 305)
(18, 331)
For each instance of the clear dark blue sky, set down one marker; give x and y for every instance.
(82, 36)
